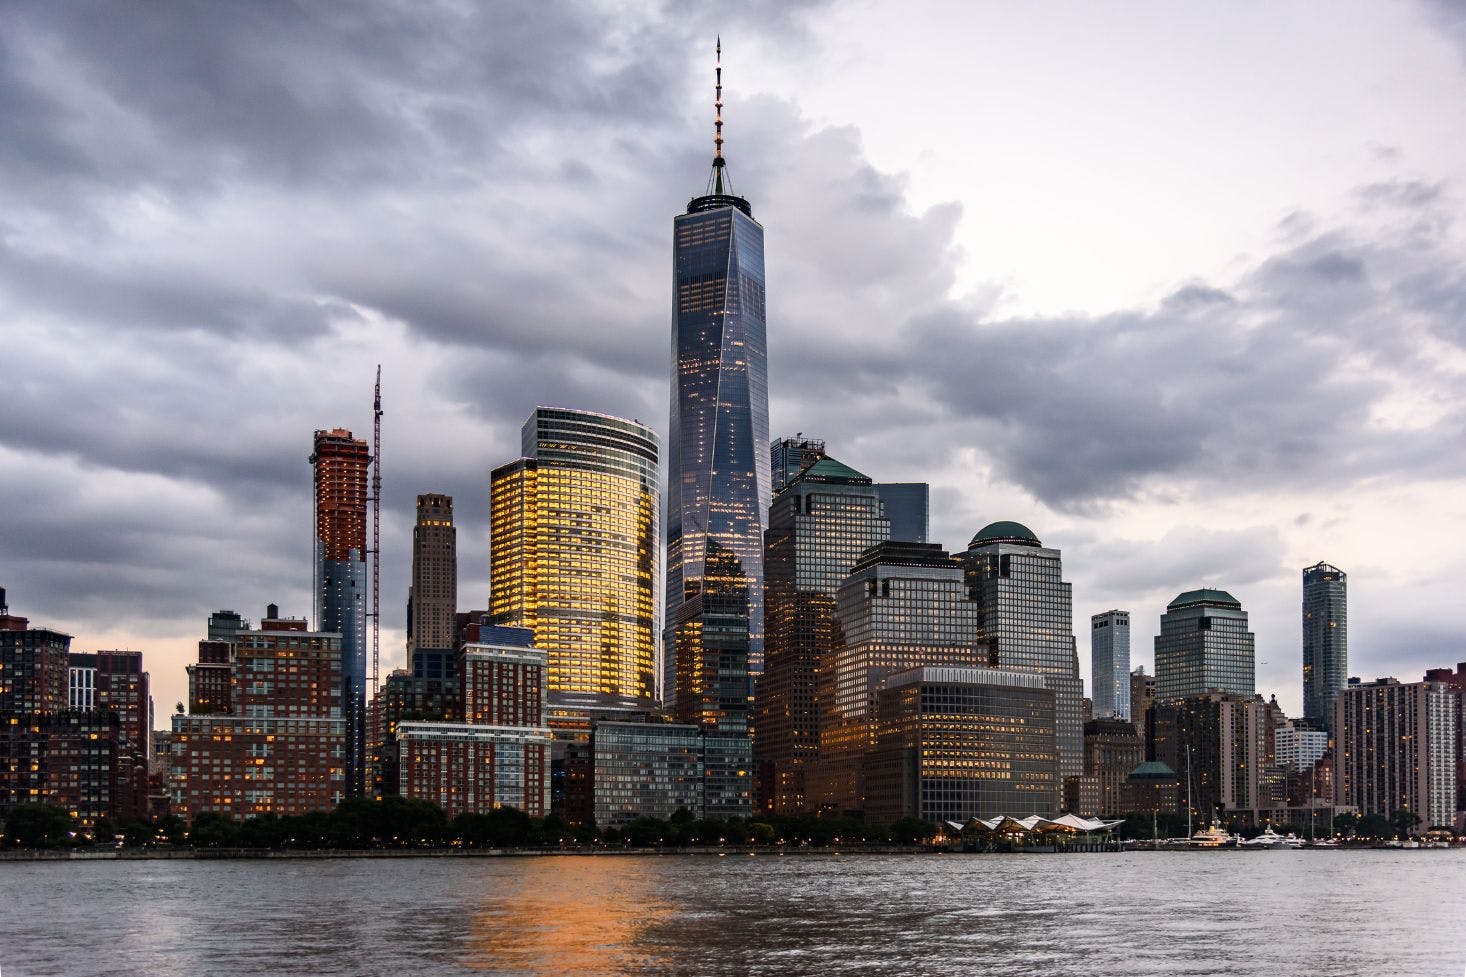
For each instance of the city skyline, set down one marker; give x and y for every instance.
(145, 505)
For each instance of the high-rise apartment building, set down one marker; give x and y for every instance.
(432, 600)
(281, 747)
(1456, 682)
(1325, 641)
(573, 557)
(903, 606)
(718, 486)
(1223, 751)
(499, 754)
(1112, 750)
(821, 522)
(341, 463)
(1395, 749)
(1026, 622)
(1299, 746)
(1204, 646)
(1109, 664)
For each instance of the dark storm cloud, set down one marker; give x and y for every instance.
(217, 219)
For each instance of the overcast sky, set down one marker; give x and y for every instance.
(1182, 287)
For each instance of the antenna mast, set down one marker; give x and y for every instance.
(376, 612)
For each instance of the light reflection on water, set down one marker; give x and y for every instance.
(1238, 913)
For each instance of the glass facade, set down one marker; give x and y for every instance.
(908, 507)
(1026, 622)
(1325, 641)
(573, 555)
(903, 606)
(1204, 646)
(1109, 664)
(718, 485)
(957, 743)
(819, 525)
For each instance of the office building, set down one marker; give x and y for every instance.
(907, 506)
(1026, 622)
(790, 456)
(432, 599)
(1395, 749)
(718, 483)
(653, 769)
(1325, 641)
(282, 747)
(574, 558)
(340, 463)
(903, 606)
(1109, 662)
(1204, 646)
(954, 743)
(499, 754)
(819, 525)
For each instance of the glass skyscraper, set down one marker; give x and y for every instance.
(1204, 646)
(1027, 623)
(718, 489)
(573, 556)
(1109, 664)
(819, 526)
(1325, 641)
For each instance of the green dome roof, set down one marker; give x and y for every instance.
(1004, 531)
(1206, 595)
(1152, 770)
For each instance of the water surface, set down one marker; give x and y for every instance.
(1257, 914)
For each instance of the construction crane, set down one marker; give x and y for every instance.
(376, 500)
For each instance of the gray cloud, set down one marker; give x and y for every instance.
(219, 219)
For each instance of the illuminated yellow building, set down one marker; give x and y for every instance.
(573, 556)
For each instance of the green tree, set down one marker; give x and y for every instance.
(38, 826)
(1404, 821)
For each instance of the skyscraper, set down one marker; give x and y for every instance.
(718, 488)
(573, 557)
(1325, 641)
(819, 525)
(908, 507)
(1109, 657)
(1027, 622)
(341, 578)
(903, 606)
(433, 598)
(1204, 646)
(790, 456)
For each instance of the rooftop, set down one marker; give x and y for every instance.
(1206, 595)
(1004, 531)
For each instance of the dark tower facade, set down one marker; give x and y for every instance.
(718, 479)
(340, 463)
(819, 525)
(433, 600)
(1325, 641)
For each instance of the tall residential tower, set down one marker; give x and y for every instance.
(1325, 641)
(433, 599)
(341, 578)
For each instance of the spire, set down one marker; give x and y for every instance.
(719, 192)
(718, 162)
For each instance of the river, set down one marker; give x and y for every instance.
(1298, 913)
